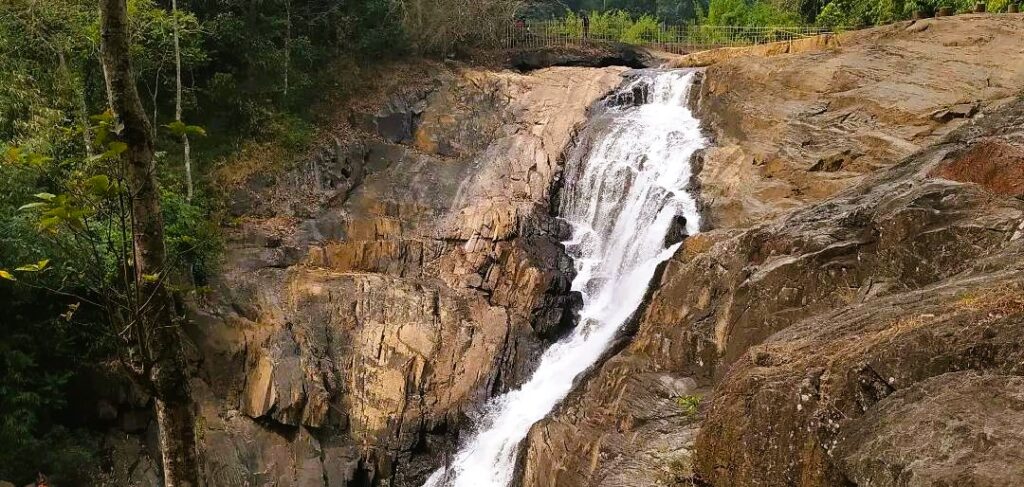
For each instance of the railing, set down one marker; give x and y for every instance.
(678, 39)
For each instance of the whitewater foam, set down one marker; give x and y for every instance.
(623, 191)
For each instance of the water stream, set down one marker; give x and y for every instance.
(623, 191)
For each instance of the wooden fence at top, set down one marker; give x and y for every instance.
(678, 39)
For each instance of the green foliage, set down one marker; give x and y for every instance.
(152, 50)
(749, 13)
(998, 5)
(616, 25)
(670, 11)
(179, 128)
(44, 342)
(852, 14)
(68, 236)
(193, 240)
(616, 15)
(62, 240)
(44, 50)
(644, 29)
(378, 26)
(689, 404)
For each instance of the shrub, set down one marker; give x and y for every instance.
(997, 5)
(615, 25)
(645, 29)
(749, 13)
(193, 239)
(689, 404)
(852, 14)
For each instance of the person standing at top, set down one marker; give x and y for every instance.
(586, 26)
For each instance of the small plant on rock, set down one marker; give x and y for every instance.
(689, 404)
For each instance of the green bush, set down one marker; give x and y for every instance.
(998, 5)
(41, 352)
(689, 404)
(616, 26)
(749, 13)
(644, 29)
(193, 239)
(852, 14)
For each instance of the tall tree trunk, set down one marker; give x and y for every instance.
(177, 102)
(160, 345)
(287, 43)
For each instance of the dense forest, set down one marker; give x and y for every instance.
(216, 78)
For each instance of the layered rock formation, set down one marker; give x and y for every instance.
(392, 283)
(864, 283)
(796, 128)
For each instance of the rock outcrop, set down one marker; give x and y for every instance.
(841, 284)
(595, 56)
(793, 129)
(376, 294)
(925, 278)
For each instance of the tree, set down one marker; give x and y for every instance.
(160, 363)
(177, 101)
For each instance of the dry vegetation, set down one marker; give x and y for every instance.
(439, 26)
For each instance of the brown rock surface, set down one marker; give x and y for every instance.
(346, 343)
(796, 128)
(876, 277)
(916, 436)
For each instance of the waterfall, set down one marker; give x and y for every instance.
(622, 194)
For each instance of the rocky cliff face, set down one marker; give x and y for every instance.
(853, 314)
(859, 287)
(793, 129)
(376, 294)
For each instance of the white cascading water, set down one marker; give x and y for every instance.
(621, 198)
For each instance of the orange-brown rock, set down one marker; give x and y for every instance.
(795, 128)
(350, 343)
(836, 274)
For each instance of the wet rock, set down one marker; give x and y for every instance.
(135, 420)
(132, 462)
(595, 56)
(394, 127)
(676, 231)
(241, 202)
(638, 95)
